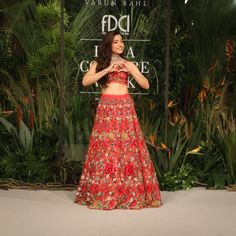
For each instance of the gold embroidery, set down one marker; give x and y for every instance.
(124, 136)
(111, 135)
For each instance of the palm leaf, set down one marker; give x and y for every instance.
(209, 23)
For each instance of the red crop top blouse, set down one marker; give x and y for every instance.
(120, 77)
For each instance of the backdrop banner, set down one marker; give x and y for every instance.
(130, 18)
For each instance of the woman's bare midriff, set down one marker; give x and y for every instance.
(115, 88)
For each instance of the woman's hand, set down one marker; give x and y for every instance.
(113, 67)
(92, 76)
(119, 66)
(133, 70)
(124, 66)
(129, 66)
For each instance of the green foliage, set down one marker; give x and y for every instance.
(182, 179)
(47, 21)
(48, 14)
(217, 167)
(176, 142)
(149, 115)
(20, 29)
(38, 63)
(209, 23)
(169, 156)
(28, 156)
(71, 171)
(36, 28)
(33, 171)
(22, 138)
(78, 126)
(225, 142)
(39, 26)
(219, 180)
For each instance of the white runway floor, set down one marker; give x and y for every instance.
(197, 212)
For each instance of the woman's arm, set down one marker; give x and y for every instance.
(92, 76)
(138, 76)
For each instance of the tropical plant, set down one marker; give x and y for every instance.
(22, 157)
(170, 156)
(225, 141)
(182, 179)
(78, 126)
(22, 139)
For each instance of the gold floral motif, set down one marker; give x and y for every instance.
(119, 118)
(155, 203)
(111, 135)
(96, 204)
(124, 136)
(95, 134)
(131, 133)
(118, 79)
(102, 135)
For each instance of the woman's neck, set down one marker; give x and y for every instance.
(115, 57)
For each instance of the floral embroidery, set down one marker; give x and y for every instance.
(109, 168)
(129, 169)
(118, 171)
(118, 77)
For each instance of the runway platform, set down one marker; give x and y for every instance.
(52, 213)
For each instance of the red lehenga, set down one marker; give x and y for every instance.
(118, 171)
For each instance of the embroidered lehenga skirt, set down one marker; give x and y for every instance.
(118, 171)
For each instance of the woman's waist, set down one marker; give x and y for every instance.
(115, 99)
(118, 80)
(115, 88)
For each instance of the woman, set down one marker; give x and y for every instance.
(118, 171)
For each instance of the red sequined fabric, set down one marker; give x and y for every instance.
(118, 77)
(118, 171)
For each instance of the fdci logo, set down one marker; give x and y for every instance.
(110, 22)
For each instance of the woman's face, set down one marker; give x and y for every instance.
(117, 45)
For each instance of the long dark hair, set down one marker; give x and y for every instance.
(104, 54)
